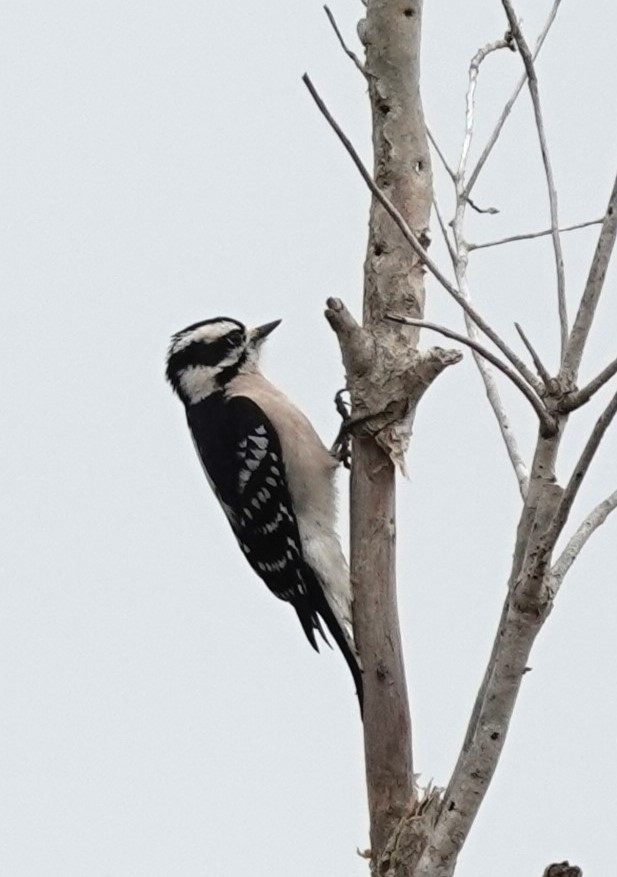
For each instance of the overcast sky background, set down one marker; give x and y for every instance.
(161, 713)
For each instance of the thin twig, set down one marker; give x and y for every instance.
(544, 375)
(442, 157)
(490, 385)
(444, 230)
(474, 69)
(508, 107)
(532, 82)
(452, 175)
(460, 260)
(580, 397)
(415, 244)
(593, 289)
(492, 211)
(576, 542)
(480, 349)
(350, 54)
(579, 472)
(531, 235)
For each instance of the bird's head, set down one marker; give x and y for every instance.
(204, 357)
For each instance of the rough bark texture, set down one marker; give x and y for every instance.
(414, 835)
(385, 377)
(394, 282)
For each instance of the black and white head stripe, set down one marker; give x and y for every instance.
(205, 356)
(209, 343)
(207, 332)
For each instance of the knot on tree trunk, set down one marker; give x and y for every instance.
(386, 377)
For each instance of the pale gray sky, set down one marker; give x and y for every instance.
(161, 712)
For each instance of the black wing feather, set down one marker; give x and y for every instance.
(242, 457)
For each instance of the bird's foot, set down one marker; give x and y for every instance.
(341, 449)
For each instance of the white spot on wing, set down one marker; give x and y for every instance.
(272, 525)
(259, 441)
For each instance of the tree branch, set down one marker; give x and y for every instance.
(444, 230)
(530, 236)
(490, 210)
(350, 54)
(442, 157)
(578, 474)
(532, 82)
(542, 372)
(479, 757)
(459, 256)
(593, 289)
(474, 69)
(415, 244)
(580, 397)
(577, 542)
(510, 103)
(486, 354)
(496, 699)
(453, 176)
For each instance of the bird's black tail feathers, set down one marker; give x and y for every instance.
(309, 609)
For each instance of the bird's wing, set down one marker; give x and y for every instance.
(243, 461)
(241, 454)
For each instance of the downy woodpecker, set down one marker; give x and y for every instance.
(270, 472)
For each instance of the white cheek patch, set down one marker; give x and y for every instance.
(198, 382)
(208, 333)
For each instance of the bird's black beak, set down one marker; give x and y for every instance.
(260, 332)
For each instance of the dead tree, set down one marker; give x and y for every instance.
(419, 833)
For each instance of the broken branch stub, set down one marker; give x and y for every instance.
(386, 378)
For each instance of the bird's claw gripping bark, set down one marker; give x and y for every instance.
(341, 449)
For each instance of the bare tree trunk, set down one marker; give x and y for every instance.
(393, 282)
(414, 835)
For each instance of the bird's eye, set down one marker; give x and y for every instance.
(235, 338)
